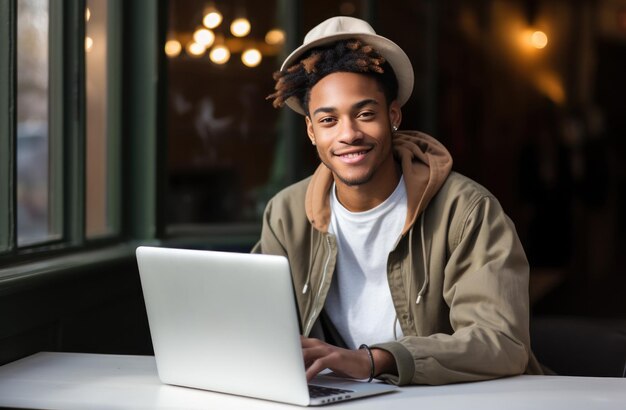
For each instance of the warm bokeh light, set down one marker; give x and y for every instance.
(212, 18)
(204, 36)
(251, 57)
(87, 14)
(195, 49)
(219, 54)
(538, 39)
(275, 37)
(240, 27)
(88, 44)
(173, 48)
(532, 40)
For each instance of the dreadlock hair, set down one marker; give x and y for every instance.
(349, 55)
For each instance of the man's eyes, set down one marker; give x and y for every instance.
(326, 120)
(363, 115)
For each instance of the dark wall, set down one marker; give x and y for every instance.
(99, 310)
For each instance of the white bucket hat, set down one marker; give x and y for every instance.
(342, 27)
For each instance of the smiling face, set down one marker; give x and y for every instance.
(350, 123)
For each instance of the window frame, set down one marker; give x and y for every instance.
(134, 73)
(7, 126)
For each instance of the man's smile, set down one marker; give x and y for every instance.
(352, 156)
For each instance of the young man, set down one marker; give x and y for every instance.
(403, 270)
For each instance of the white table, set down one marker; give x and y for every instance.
(95, 381)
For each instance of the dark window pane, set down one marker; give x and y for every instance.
(222, 134)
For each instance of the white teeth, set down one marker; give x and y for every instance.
(355, 154)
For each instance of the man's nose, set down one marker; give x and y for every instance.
(350, 132)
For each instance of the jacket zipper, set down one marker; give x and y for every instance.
(319, 291)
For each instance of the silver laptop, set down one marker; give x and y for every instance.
(227, 322)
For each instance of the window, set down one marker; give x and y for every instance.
(60, 126)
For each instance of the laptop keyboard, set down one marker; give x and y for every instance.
(322, 391)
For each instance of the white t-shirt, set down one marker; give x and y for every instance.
(359, 300)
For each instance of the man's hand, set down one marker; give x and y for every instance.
(347, 363)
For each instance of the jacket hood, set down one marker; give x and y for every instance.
(425, 164)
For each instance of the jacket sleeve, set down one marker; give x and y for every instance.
(485, 286)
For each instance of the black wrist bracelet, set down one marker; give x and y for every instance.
(369, 354)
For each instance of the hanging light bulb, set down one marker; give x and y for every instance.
(173, 48)
(539, 39)
(240, 27)
(534, 39)
(275, 37)
(204, 36)
(195, 49)
(220, 54)
(212, 17)
(251, 57)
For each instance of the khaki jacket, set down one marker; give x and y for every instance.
(458, 275)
